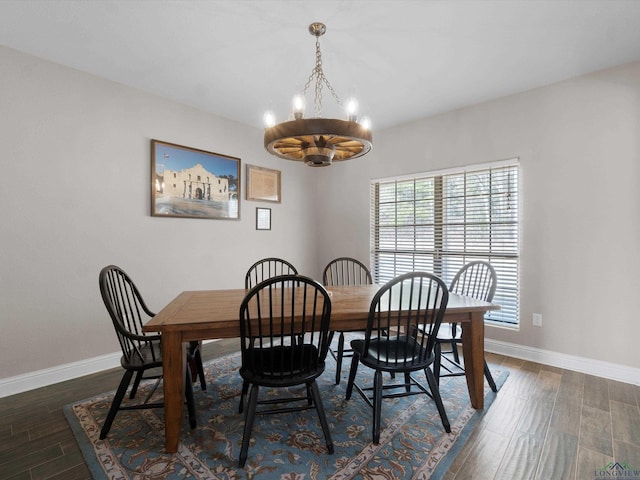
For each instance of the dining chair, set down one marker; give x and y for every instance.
(404, 319)
(267, 268)
(284, 336)
(141, 352)
(476, 279)
(344, 271)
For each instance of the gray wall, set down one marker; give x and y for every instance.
(76, 185)
(579, 147)
(75, 196)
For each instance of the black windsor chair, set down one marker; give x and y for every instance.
(404, 319)
(141, 352)
(478, 280)
(344, 271)
(284, 331)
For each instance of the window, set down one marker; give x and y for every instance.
(438, 221)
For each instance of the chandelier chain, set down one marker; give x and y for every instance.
(321, 80)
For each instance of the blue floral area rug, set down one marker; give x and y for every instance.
(413, 443)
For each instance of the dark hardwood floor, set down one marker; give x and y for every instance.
(546, 423)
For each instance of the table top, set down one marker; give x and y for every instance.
(215, 313)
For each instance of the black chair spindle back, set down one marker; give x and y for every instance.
(128, 313)
(404, 319)
(267, 268)
(346, 271)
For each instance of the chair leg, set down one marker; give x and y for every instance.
(377, 405)
(115, 404)
(340, 356)
(435, 391)
(407, 381)
(248, 425)
(454, 350)
(245, 389)
(489, 377)
(310, 398)
(352, 373)
(191, 406)
(195, 364)
(136, 383)
(437, 351)
(200, 370)
(315, 393)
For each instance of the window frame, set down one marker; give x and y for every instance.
(501, 232)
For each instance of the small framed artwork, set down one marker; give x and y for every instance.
(263, 184)
(263, 218)
(191, 183)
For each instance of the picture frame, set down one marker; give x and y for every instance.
(192, 183)
(263, 184)
(263, 218)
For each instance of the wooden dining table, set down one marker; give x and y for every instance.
(214, 314)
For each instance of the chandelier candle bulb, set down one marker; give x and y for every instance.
(352, 110)
(298, 107)
(269, 119)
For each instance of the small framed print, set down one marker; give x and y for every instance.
(263, 184)
(263, 218)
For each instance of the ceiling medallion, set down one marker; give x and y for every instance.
(318, 141)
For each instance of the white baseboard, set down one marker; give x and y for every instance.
(598, 368)
(69, 371)
(61, 373)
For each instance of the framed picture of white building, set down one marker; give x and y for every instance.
(192, 183)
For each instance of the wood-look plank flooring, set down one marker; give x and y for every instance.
(546, 423)
(549, 423)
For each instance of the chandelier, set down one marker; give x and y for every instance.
(318, 141)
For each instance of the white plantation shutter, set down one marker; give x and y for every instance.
(439, 221)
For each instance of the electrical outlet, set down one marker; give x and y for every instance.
(537, 319)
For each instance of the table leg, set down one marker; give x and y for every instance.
(173, 361)
(473, 351)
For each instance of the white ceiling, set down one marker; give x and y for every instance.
(402, 59)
